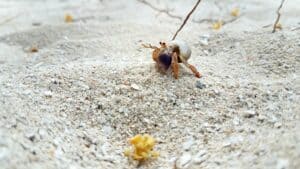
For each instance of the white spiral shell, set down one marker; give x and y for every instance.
(185, 50)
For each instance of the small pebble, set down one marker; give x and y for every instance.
(99, 106)
(48, 93)
(42, 133)
(200, 85)
(204, 40)
(30, 136)
(184, 160)
(188, 144)
(27, 92)
(277, 125)
(135, 86)
(282, 164)
(206, 52)
(200, 157)
(261, 118)
(36, 24)
(249, 113)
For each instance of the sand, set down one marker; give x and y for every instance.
(91, 86)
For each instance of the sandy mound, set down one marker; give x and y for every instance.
(90, 87)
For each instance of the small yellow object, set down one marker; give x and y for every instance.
(235, 12)
(278, 26)
(68, 18)
(142, 148)
(217, 25)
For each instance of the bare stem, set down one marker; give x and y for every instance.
(204, 20)
(10, 19)
(186, 18)
(165, 11)
(278, 16)
(215, 20)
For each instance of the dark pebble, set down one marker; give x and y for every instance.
(200, 85)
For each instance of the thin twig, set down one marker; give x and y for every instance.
(216, 20)
(10, 19)
(165, 11)
(297, 28)
(230, 21)
(149, 46)
(278, 16)
(186, 18)
(267, 25)
(84, 18)
(175, 163)
(204, 20)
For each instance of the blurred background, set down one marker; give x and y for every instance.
(76, 84)
(252, 15)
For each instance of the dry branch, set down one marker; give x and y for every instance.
(186, 18)
(278, 16)
(230, 21)
(265, 26)
(165, 11)
(216, 20)
(297, 28)
(10, 19)
(205, 20)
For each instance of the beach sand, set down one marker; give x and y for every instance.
(91, 86)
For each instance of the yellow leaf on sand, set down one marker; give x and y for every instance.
(68, 18)
(127, 152)
(278, 26)
(235, 12)
(217, 25)
(155, 154)
(142, 146)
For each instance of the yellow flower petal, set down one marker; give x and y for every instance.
(142, 148)
(235, 12)
(136, 139)
(278, 26)
(127, 152)
(154, 154)
(68, 18)
(217, 25)
(137, 157)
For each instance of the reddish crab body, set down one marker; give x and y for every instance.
(169, 55)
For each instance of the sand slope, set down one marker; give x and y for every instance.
(91, 86)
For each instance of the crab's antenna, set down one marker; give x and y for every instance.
(149, 46)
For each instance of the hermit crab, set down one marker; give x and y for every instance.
(168, 55)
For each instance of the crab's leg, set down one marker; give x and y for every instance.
(193, 69)
(149, 46)
(174, 64)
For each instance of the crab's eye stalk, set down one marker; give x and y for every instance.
(163, 44)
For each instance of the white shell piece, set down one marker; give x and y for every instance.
(185, 50)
